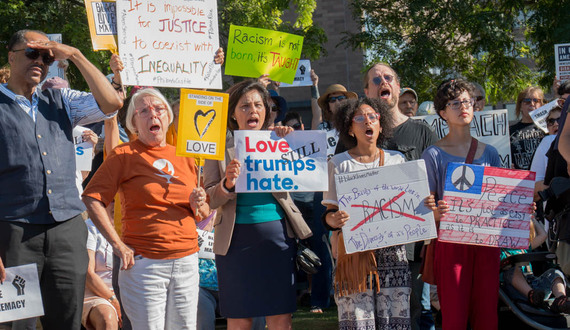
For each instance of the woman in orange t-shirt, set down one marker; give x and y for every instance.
(159, 200)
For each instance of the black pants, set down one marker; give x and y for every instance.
(61, 256)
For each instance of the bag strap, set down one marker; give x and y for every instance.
(472, 151)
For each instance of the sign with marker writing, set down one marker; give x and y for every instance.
(488, 206)
(20, 295)
(302, 76)
(206, 244)
(102, 19)
(562, 61)
(202, 124)
(386, 206)
(253, 52)
(297, 162)
(539, 115)
(83, 150)
(490, 127)
(169, 43)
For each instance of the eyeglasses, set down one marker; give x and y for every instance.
(479, 98)
(455, 105)
(387, 78)
(147, 112)
(333, 99)
(296, 126)
(372, 117)
(529, 100)
(551, 121)
(33, 55)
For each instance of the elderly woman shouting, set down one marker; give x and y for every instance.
(159, 199)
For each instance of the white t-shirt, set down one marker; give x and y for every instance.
(540, 160)
(344, 163)
(103, 256)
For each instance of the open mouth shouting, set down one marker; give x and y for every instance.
(252, 122)
(385, 93)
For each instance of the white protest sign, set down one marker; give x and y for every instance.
(206, 244)
(54, 69)
(83, 150)
(302, 76)
(20, 295)
(539, 115)
(332, 141)
(488, 206)
(169, 43)
(297, 162)
(490, 127)
(562, 60)
(386, 206)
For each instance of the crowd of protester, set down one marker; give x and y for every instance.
(123, 252)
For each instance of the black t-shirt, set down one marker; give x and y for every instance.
(411, 138)
(525, 138)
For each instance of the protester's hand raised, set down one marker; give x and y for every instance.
(281, 131)
(442, 206)
(430, 203)
(116, 64)
(314, 78)
(337, 219)
(60, 51)
(232, 173)
(219, 56)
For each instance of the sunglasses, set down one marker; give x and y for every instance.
(33, 55)
(333, 99)
(296, 126)
(387, 78)
(373, 117)
(551, 121)
(455, 105)
(529, 100)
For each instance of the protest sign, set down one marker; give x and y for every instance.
(302, 76)
(20, 295)
(83, 150)
(102, 20)
(169, 43)
(490, 127)
(539, 115)
(202, 124)
(562, 61)
(386, 206)
(488, 206)
(297, 162)
(206, 244)
(54, 69)
(332, 141)
(253, 52)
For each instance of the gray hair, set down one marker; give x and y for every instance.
(141, 93)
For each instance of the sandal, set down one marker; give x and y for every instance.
(316, 310)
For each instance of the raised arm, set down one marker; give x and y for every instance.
(315, 109)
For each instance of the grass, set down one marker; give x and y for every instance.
(304, 320)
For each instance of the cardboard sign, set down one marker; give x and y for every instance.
(20, 295)
(169, 43)
(253, 52)
(297, 162)
(83, 150)
(102, 19)
(386, 206)
(206, 244)
(539, 115)
(202, 124)
(490, 127)
(489, 206)
(302, 76)
(562, 60)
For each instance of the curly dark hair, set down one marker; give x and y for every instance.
(240, 89)
(347, 110)
(450, 90)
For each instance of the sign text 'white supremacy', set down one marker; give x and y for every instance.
(488, 206)
(386, 206)
(297, 162)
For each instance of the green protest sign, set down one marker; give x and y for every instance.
(253, 52)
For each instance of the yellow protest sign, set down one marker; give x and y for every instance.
(253, 52)
(202, 124)
(102, 19)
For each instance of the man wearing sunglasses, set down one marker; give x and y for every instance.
(410, 137)
(40, 211)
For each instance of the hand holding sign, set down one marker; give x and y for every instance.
(232, 173)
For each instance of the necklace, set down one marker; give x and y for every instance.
(373, 161)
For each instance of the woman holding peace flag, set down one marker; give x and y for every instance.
(253, 242)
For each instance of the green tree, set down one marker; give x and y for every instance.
(482, 40)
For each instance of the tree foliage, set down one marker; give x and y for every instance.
(429, 41)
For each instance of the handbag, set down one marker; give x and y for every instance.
(307, 260)
(427, 269)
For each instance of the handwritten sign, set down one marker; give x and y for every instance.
(489, 206)
(169, 43)
(297, 162)
(20, 295)
(386, 206)
(83, 150)
(202, 124)
(253, 52)
(562, 61)
(102, 19)
(302, 76)
(206, 244)
(539, 115)
(490, 127)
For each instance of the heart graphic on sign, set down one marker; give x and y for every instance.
(203, 120)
